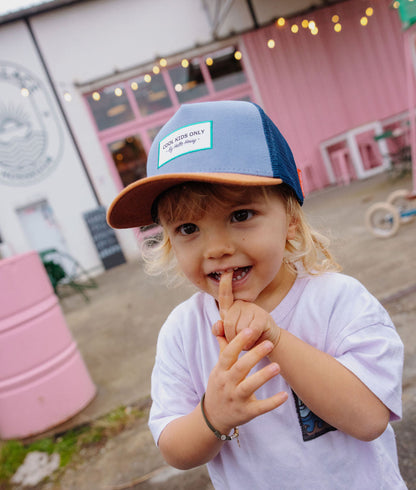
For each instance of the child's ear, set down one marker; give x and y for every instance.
(292, 228)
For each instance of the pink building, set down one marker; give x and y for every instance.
(331, 89)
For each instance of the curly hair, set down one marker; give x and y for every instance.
(308, 252)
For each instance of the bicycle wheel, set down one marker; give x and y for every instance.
(382, 220)
(399, 200)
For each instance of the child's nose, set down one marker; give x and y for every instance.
(218, 244)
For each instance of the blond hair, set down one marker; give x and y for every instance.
(307, 252)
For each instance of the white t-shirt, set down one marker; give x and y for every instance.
(290, 448)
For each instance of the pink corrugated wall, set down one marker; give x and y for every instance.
(316, 87)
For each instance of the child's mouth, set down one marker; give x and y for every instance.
(238, 273)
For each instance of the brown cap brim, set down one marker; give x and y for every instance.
(133, 206)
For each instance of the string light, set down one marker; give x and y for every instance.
(25, 92)
(67, 96)
(313, 28)
(271, 43)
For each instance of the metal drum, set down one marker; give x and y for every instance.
(43, 379)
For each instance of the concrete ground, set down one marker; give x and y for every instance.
(116, 333)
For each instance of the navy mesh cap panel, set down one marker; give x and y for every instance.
(281, 157)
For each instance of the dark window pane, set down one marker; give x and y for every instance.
(130, 158)
(151, 93)
(188, 82)
(110, 107)
(226, 71)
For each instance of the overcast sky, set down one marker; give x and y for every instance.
(8, 6)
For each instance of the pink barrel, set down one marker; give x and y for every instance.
(43, 379)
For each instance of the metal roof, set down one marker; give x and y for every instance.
(12, 10)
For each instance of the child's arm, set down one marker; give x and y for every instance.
(329, 389)
(187, 441)
(325, 386)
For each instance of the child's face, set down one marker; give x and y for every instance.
(248, 238)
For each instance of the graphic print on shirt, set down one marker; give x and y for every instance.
(312, 426)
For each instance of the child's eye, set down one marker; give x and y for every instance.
(241, 215)
(187, 229)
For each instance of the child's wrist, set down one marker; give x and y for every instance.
(275, 339)
(218, 434)
(279, 336)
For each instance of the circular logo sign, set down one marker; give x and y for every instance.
(30, 132)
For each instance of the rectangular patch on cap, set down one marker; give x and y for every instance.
(194, 137)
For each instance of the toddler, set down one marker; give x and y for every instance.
(281, 372)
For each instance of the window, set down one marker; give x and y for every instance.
(130, 158)
(110, 106)
(130, 113)
(188, 81)
(225, 69)
(151, 93)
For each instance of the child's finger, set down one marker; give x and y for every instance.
(222, 342)
(245, 364)
(218, 328)
(250, 384)
(231, 350)
(225, 293)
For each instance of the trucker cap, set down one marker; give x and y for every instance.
(225, 142)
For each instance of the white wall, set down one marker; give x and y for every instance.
(92, 39)
(66, 188)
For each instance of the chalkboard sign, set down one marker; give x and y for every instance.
(104, 237)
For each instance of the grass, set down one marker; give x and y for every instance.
(69, 444)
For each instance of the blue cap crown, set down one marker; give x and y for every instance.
(226, 142)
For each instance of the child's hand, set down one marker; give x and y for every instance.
(230, 399)
(238, 315)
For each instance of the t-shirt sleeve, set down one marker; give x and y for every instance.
(371, 348)
(172, 388)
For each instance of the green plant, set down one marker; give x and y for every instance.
(68, 444)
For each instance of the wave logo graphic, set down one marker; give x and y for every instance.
(30, 133)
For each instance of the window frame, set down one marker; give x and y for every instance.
(141, 124)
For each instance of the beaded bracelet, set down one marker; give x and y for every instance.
(218, 435)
